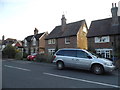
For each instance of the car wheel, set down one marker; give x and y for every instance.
(60, 65)
(97, 69)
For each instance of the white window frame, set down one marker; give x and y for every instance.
(51, 41)
(107, 52)
(85, 29)
(67, 41)
(51, 51)
(103, 39)
(25, 41)
(34, 41)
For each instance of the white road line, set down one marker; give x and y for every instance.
(99, 83)
(17, 68)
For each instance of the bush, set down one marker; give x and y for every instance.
(25, 55)
(18, 56)
(44, 58)
(9, 52)
(117, 64)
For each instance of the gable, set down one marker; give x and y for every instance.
(30, 38)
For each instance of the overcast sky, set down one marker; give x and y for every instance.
(18, 18)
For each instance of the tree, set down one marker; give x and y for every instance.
(9, 51)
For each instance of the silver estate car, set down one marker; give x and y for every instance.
(82, 59)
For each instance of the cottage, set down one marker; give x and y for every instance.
(71, 35)
(104, 35)
(35, 43)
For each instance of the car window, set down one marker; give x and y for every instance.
(61, 52)
(82, 54)
(72, 53)
(34, 54)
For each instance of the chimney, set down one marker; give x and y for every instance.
(35, 31)
(3, 38)
(63, 22)
(114, 11)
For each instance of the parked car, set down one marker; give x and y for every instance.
(32, 56)
(82, 59)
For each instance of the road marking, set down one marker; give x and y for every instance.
(99, 83)
(17, 68)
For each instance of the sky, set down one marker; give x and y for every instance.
(19, 18)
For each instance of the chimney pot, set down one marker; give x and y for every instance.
(115, 4)
(112, 4)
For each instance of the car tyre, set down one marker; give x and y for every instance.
(60, 65)
(97, 69)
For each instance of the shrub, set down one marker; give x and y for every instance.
(18, 56)
(117, 64)
(44, 58)
(25, 55)
(9, 52)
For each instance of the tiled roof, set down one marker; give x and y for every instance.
(70, 30)
(103, 27)
(28, 38)
(37, 36)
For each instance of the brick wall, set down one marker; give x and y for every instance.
(60, 43)
(73, 43)
(113, 39)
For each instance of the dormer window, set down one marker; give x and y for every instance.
(34, 41)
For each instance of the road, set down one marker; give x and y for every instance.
(27, 74)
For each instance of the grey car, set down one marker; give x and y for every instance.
(82, 59)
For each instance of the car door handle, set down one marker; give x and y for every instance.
(77, 59)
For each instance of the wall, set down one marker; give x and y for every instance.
(81, 38)
(73, 43)
(42, 42)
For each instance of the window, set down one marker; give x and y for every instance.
(51, 41)
(103, 39)
(51, 51)
(72, 53)
(67, 40)
(85, 29)
(34, 41)
(82, 54)
(61, 53)
(25, 41)
(104, 53)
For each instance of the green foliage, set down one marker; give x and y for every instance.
(9, 52)
(117, 64)
(44, 58)
(25, 55)
(18, 56)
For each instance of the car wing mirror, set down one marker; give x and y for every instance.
(89, 57)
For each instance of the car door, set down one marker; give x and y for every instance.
(69, 58)
(83, 60)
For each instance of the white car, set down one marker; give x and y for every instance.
(82, 59)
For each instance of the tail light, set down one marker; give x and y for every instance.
(53, 58)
